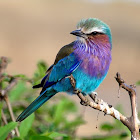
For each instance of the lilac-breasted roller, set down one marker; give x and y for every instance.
(87, 59)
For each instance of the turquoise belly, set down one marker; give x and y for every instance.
(84, 83)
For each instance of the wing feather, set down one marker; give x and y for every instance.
(65, 63)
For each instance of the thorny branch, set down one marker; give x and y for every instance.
(3, 92)
(132, 123)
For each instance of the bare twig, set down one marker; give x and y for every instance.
(3, 93)
(3, 64)
(9, 87)
(3, 117)
(11, 112)
(98, 104)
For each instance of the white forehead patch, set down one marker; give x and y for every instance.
(94, 29)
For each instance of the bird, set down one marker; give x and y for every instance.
(87, 59)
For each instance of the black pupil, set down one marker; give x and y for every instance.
(94, 33)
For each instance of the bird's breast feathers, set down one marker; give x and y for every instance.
(95, 60)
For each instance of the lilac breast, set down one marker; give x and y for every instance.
(96, 58)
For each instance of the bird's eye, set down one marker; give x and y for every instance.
(94, 33)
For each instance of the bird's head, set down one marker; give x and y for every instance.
(92, 29)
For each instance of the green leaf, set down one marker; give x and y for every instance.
(22, 76)
(138, 83)
(107, 127)
(5, 130)
(59, 112)
(73, 124)
(55, 135)
(40, 138)
(40, 72)
(67, 138)
(16, 138)
(6, 79)
(64, 107)
(42, 67)
(0, 109)
(17, 91)
(124, 134)
(26, 125)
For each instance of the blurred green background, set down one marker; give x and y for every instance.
(35, 30)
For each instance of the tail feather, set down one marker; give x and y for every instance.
(39, 101)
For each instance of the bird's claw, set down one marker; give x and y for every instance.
(93, 96)
(86, 102)
(83, 103)
(77, 91)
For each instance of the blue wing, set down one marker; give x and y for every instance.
(62, 69)
(66, 63)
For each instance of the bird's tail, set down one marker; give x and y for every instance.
(39, 101)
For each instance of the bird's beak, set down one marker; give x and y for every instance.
(78, 33)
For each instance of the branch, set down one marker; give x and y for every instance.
(3, 64)
(133, 120)
(8, 88)
(3, 117)
(131, 123)
(11, 112)
(3, 93)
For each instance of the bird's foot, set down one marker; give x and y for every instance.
(85, 102)
(93, 96)
(72, 81)
(76, 91)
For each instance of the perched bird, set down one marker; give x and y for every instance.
(87, 58)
